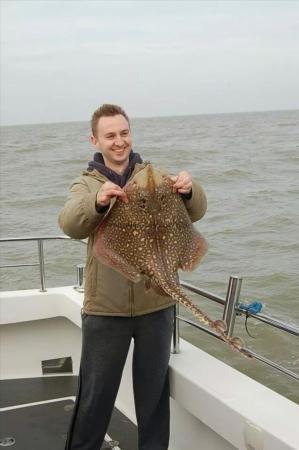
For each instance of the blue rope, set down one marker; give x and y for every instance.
(253, 307)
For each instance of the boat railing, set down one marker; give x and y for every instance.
(230, 303)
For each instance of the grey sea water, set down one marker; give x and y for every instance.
(247, 163)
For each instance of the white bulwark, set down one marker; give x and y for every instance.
(213, 406)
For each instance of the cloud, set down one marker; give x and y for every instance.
(146, 51)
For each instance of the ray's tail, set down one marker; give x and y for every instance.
(219, 326)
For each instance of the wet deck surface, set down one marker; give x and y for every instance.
(44, 426)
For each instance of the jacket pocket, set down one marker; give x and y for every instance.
(106, 290)
(112, 290)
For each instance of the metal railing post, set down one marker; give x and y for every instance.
(231, 303)
(176, 330)
(80, 278)
(41, 265)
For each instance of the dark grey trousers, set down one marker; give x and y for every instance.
(105, 345)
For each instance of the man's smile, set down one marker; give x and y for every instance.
(120, 151)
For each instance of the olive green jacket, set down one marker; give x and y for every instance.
(107, 292)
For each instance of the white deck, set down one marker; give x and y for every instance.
(213, 406)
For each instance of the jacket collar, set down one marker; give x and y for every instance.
(98, 164)
(100, 177)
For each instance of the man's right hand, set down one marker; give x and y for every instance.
(109, 190)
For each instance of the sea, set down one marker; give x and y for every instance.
(248, 165)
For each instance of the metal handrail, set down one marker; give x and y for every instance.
(35, 238)
(41, 259)
(255, 355)
(261, 317)
(231, 308)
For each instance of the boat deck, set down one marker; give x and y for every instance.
(36, 413)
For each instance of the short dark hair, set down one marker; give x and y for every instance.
(104, 111)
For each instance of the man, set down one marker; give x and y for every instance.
(115, 310)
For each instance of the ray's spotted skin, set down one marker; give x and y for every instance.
(153, 235)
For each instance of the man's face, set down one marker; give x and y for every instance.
(113, 140)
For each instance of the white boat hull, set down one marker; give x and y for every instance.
(213, 406)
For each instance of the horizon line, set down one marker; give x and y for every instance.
(154, 117)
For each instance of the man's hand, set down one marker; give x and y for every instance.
(109, 190)
(183, 183)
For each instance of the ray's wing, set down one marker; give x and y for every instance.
(194, 250)
(111, 247)
(181, 245)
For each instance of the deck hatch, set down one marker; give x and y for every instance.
(57, 365)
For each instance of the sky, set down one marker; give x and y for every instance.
(60, 60)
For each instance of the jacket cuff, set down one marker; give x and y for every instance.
(187, 196)
(196, 205)
(101, 209)
(90, 210)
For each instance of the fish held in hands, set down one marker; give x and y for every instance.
(152, 236)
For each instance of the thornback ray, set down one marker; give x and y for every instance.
(152, 236)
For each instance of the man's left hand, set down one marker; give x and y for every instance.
(183, 183)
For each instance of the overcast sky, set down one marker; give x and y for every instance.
(62, 59)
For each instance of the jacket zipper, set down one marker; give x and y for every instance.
(131, 300)
(131, 295)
